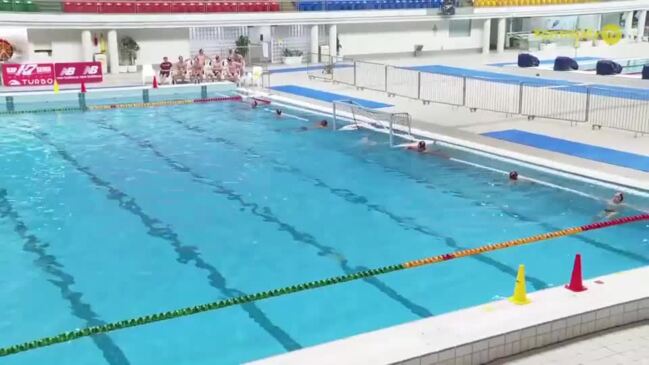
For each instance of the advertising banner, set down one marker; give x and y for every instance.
(27, 74)
(76, 72)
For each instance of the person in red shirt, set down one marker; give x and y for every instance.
(165, 70)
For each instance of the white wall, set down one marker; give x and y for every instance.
(65, 44)
(365, 39)
(157, 43)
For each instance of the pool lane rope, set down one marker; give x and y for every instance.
(187, 311)
(127, 105)
(164, 103)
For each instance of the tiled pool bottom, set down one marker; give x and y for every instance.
(492, 331)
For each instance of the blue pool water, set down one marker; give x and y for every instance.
(114, 214)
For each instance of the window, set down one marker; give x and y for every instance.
(459, 28)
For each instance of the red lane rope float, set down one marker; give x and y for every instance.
(188, 311)
(260, 100)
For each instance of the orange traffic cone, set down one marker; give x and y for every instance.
(83, 87)
(155, 82)
(576, 280)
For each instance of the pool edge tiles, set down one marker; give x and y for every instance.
(327, 96)
(492, 330)
(572, 148)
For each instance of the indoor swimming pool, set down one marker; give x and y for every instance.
(107, 215)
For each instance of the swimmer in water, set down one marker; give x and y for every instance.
(254, 104)
(422, 148)
(321, 124)
(513, 176)
(613, 207)
(278, 112)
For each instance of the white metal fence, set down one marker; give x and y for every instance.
(619, 108)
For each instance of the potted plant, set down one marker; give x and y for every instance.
(292, 56)
(128, 54)
(242, 45)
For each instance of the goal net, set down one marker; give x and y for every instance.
(351, 114)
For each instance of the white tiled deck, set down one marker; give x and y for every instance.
(627, 345)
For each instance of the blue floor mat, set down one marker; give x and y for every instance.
(543, 62)
(595, 89)
(327, 96)
(590, 152)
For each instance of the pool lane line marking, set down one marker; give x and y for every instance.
(406, 223)
(243, 299)
(56, 275)
(267, 216)
(463, 145)
(403, 222)
(160, 229)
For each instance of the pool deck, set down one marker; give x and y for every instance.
(623, 345)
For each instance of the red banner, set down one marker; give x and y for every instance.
(27, 74)
(76, 72)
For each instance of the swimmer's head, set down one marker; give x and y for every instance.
(324, 123)
(513, 175)
(254, 103)
(618, 197)
(278, 111)
(421, 146)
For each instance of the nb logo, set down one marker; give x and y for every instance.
(91, 70)
(68, 71)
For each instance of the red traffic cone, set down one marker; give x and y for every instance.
(155, 82)
(83, 87)
(576, 282)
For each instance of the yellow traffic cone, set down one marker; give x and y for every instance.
(520, 292)
(56, 87)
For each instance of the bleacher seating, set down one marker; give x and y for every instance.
(169, 6)
(488, 3)
(314, 5)
(18, 5)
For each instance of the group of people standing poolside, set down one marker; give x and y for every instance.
(203, 68)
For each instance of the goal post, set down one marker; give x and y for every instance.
(350, 112)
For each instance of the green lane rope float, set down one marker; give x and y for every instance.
(187, 311)
(49, 110)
